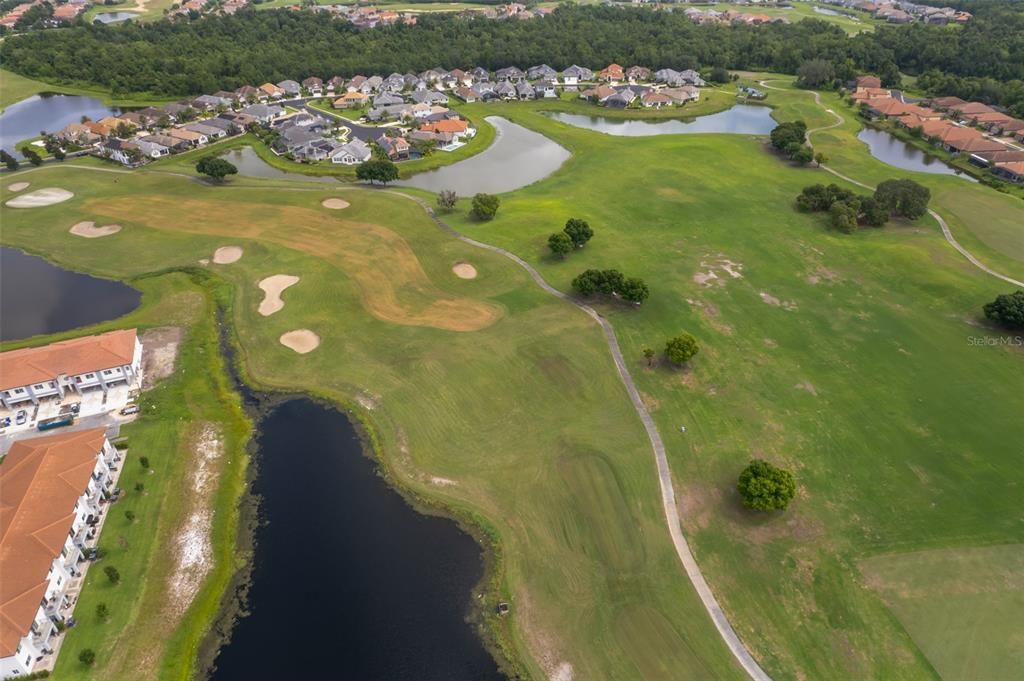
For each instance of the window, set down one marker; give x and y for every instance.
(59, 580)
(90, 375)
(107, 372)
(19, 390)
(53, 384)
(38, 386)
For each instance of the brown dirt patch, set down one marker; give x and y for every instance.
(788, 305)
(335, 204)
(159, 353)
(463, 270)
(273, 286)
(392, 283)
(300, 340)
(89, 230)
(18, 186)
(698, 504)
(542, 645)
(717, 271)
(807, 386)
(225, 255)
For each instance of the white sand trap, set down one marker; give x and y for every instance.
(17, 186)
(89, 230)
(463, 270)
(335, 204)
(273, 286)
(300, 340)
(225, 255)
(40, 198)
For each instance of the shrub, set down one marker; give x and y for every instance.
(764, 487)
(87, 657)
(102, 611)
(681, 349)
(446, 199)
(144, 461)
(560, 244)
(130, 515)
(112, 574)
(485, 207)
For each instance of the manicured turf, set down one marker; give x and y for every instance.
(800, 11)
(847, 358)
(963, 607)
(525, 415)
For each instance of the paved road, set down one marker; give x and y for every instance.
(946, 232)
(668, 497)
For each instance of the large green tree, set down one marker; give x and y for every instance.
(484, 207)
(1007, 310)
(215, 168)
(903, 198)
(377, 170)
(682, 348)
(560, 244)
(579, 231)
(765, 487)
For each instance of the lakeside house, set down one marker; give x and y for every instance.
(53, 498)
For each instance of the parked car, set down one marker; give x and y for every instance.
(21, 417)
(130, 409)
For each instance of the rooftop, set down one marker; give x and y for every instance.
(71, 357)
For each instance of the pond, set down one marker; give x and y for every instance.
(113, 17)
(828, 12)
(349, 581)
(895, 152)
(250, 164)
(49, 112)
(742, 119)
(37, 297)
(516, 158)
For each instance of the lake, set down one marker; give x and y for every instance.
(349, 582)
(516, 158)
(250, 164)
(37, 297)
(742, 119)
(828, 12)
(113, 17)
(49, 112)
(895, 152)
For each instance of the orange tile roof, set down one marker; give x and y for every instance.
(71, 357)
(40, 480)
(448, 125)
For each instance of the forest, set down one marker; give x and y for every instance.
(180, 57)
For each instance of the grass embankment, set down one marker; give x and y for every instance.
(522, 422)
(14, 88)
(846, 358)
(149, 633)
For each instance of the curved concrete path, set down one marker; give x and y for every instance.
(946, 231)
(668, 496)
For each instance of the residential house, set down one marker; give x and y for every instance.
(969, 108)
(229, 127)
(174, 144)
(272, 91)
(510, 74)
(194, 138)
(60, 370)
(480, 74)
(655, 99)
(78, 134)
(248, 93)
(352, 153)
(868, 82)
(599, 94)
(51, 503)
(177, 110)
(542, 72)
(682, 95)
(356, 84)
(505, 90)
(210, 102)
(211, 132)
(546, 89)
(638, 74)
(612, 73)
(429, 97)
(336, 84)
(125, 153)
(393, 83)
(457, 77)
(114, 122)
(151, 149)
(351, 100)
(1012, 171)
(945, 103)
(264, 113)
(387, 99)
(466, 94)
(371, 84)
(621, 99)
(290, 88)
(314, 86)
(395, 148)
(525, 91)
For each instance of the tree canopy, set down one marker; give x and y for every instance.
(1007, 310)
(485, 207)
(216, 168)
(377, 170)
(682, 348)
(611, 283)
(765, 487)
(560, 244)
(579, 231)
(903, 198)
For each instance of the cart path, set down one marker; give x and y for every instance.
(946, 231)
(668, 497)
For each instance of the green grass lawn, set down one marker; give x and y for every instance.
(14, 88)
(847, 358)
(805, 10)
(963, 607)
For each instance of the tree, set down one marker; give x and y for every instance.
(377, 170)
(215, 168)
(32, 155)
(820, 159)
(873, 213)
(649, 356)
(843, 216)
(446, 200)
(87, 657)
(560, 244)
(786, 134)
(1007, 310)
(579, 231)
(485, 207)
(802, 154)
(634, 290)
(102, 611)
(8, 160)
(112, 574)
(719, 75)
(903, 198)
(764, 487)
(681, 349)
(815, 73)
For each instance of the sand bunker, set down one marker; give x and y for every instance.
(335, 204)
(464, 270)
(17, 186)
(225, 255)
(273, 286)
(89, 230)
(40, 198)
(300, 340)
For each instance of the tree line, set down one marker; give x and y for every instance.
(181, 57)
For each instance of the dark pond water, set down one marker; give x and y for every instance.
(516, 158)
(742, 119)
(349, 582)
(49, 112)
(113, 17)
(897, 153)
(251, 165)
(38, 297)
